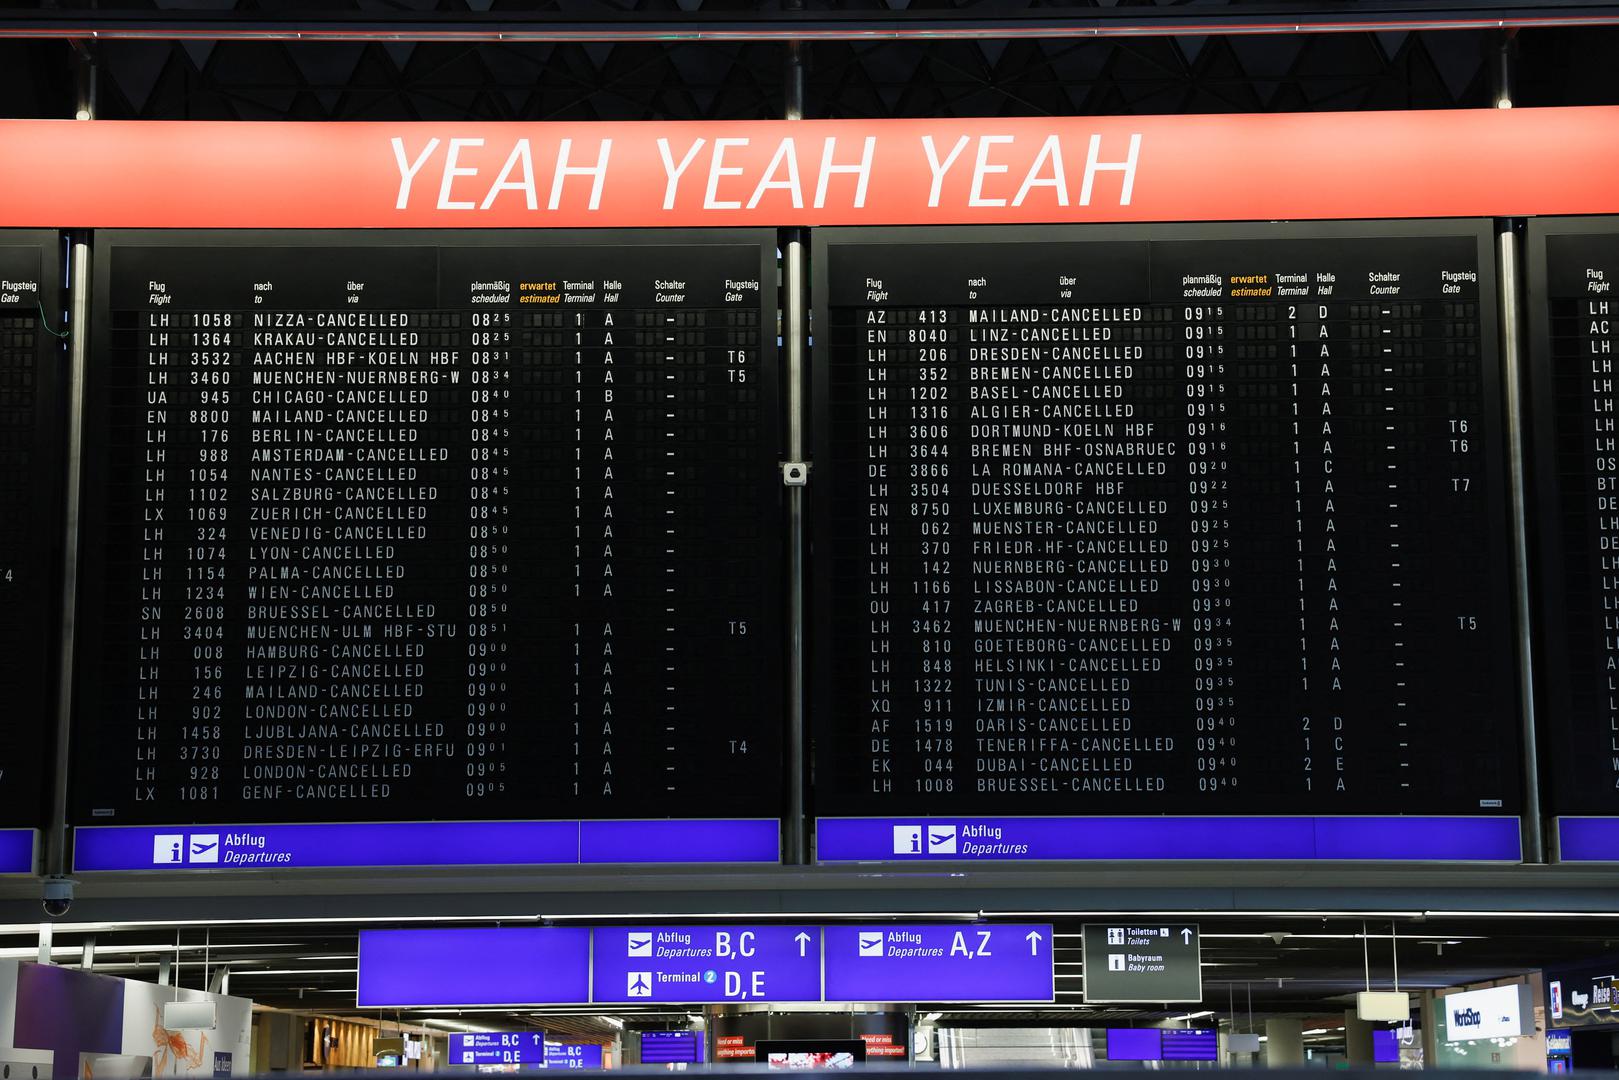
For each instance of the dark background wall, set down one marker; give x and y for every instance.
(1063, 69)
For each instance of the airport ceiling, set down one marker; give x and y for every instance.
(180, 68)
(1305, 965)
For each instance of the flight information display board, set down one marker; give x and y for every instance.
(1574, 351)
(1180, 519)
(32, 360)
(417, 526)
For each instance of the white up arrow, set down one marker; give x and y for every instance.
(1034, 942)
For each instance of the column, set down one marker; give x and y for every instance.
(1358, 1039)
(1284, 1042)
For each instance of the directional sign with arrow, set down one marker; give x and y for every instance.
(942, 963)
(1141, 960)
(693, 964)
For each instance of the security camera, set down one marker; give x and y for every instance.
(58, 896)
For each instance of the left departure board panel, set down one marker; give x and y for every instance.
(431, 526)
(32, 359)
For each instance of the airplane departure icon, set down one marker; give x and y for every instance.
(640, 984)
(204, 848)
(640, 944)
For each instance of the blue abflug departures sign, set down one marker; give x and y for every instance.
(999, 962)
(1160, 838)
(707, 963)
(499, 1048)
(669, 964)
(425, 843)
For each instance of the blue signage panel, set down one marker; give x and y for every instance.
(959, 962)
(420, 843)
(1191, 1044)
(573, 1055)
(517, 966)
(690, 964)
(1588, 839)
(498, 1048)
(1300, 839)
(17, 851)
(281, 847)
(476, 966)
(1134, 1044)
(756, 840)
(671, 1048)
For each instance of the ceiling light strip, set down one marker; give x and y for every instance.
(685, 33)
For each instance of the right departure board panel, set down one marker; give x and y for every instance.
(448, 526)
(1191, 519)
(1574, 339)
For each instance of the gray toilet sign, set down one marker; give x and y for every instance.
(1142, 961)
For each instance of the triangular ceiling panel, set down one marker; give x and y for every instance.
(1456, 58)
(1267, 55)
(135, 66)
(400, 52)
(1082, 61)
(1391, 42)
(1191, 45)
(323, 64)
(199, 52)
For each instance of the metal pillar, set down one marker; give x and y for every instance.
(84, 78)
(1433, 1020)
(795, 474)
(1358, 1048)
(1513, 375)
(56, 861)
(1509, 287)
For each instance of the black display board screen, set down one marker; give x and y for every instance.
(416, 526)
(1574, 353)
(32, 361)
(1165, 519)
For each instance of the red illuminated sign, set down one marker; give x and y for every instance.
(1465, 163)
